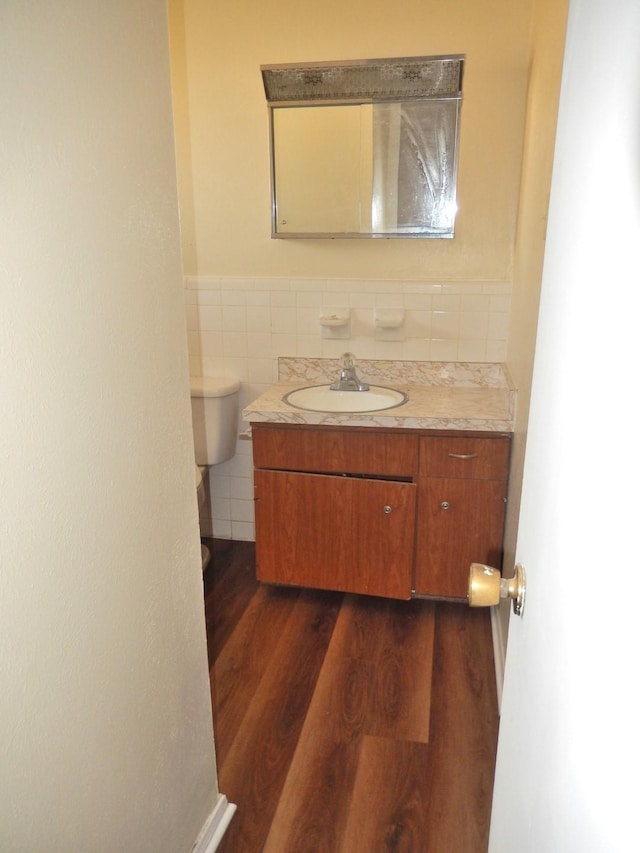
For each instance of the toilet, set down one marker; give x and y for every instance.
(214, 419)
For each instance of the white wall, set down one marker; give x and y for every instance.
(105, 717)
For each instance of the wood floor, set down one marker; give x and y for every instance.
(348, 723)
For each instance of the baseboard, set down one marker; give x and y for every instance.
(215, 826)
(499, 651)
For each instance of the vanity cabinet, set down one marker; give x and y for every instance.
(335, 509)
(391, 513)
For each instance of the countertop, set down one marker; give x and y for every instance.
(441, 395)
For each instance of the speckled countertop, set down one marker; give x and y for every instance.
(442, 395)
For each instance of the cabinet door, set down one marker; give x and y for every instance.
(329, 532)
(461, 522)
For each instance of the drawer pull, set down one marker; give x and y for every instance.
(462, 455)
(388, 509)
(445, 505)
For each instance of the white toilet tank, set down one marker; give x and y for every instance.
(214, 417)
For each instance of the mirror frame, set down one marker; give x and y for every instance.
(360, 82)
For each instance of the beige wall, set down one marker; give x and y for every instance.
(223, 130)
(250, 299)
(105, 717)
(547, 50)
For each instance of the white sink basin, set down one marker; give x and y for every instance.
(320, 398)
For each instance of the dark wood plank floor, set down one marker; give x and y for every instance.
(348, 723)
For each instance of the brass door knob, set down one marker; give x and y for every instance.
(487, 587)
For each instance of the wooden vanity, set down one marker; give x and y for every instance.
(394, 503)
(394, 513)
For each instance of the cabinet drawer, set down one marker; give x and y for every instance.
(465, 458)
(335, 451)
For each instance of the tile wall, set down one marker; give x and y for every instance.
(241, 326)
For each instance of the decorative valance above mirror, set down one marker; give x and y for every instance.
(365, 148)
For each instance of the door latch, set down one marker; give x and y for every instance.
(487, 587)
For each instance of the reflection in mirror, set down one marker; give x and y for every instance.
(366, 167)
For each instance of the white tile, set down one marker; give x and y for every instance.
(308, 321)
(473, 327)
(234, 318)
(472, 350)
(241, 488)
(497, 287)
(258, 318)
(496, 351)
(475, 302)
(388, 349)
(389, 300)
(260, 370)
(257, 298)
(233, 297)
(318, 285)
(204, 282)
(425, 287)
(210, 317)
(417, 301)
(498, 327)
(211, 343)
(309, 299)
(234, 344)
(229, 284)
(448, 302)
(362, 300)
(243, 532)
(460, 288)
(207, 297)
(241, 510)
(309, 346)
(235, 366)
(222, 528)
(220, 508)
(219, 485)
(416, 349)
(259, 345)
(417, 324)
(443, 350)
(282, 299)
(283, 320)
(361, 322)
(500, 303)
(242, 466)
(444, 325)
(283, 345)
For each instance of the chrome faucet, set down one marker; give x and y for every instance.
(348, 380)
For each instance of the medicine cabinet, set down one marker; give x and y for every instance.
(365, 148)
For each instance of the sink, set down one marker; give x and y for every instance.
(320, 398)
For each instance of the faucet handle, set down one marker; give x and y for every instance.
(348, 360)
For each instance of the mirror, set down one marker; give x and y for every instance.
(363, 157)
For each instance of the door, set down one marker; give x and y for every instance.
(568, 751)
(342, 533)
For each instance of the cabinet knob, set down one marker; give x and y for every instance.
(387, 509)
(445, 505)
